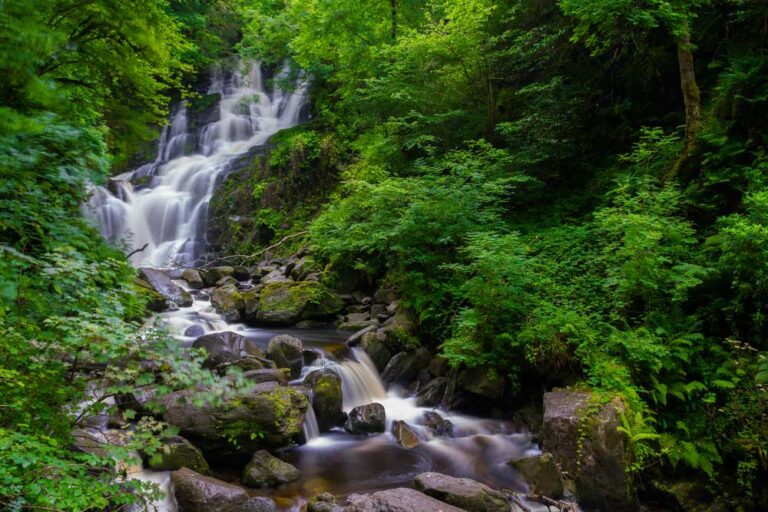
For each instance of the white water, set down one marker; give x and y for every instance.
(169, 216)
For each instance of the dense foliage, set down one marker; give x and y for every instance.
(564, 192)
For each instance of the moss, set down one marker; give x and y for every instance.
(287, 303)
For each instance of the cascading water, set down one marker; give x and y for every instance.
(167, 218)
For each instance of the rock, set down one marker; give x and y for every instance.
(302, 268)
(404, 434)
(276, 276)
(155, 301)
(482, 382)
(198, 493)
(327, 399)
(397, 500)
(228, 302)
(314, 276)
(357, 326)
(279, 375)
(224, 281)
(432, 393)
(258, 504)
(438, 367)
(193, 278)
(385, 296)
(598, 468)
(264, 470)
(267, 418)
(440, 426)
(287, 303)
(374, 344)
(251, 303)
(194, 331)
(229, 348)
(176, 453)
(399, 323)
(358, 317)
(286, 352)
(357, 337)
(405, 366)
(163, 285)
(241, 273)
(366, 419)
(324, 502)
(211, 275)
(542, 474)
(462, 492)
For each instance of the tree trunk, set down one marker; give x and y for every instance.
(691, 99)
(393, 7)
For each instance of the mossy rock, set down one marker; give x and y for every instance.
(327, 398)
(228, 302)
(287, 303)
(176, 453)
(265, 470)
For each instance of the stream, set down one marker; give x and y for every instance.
(167, 215)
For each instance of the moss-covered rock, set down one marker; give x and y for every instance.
(542, 474)
(287, 303)
(176, 453)
(269, 418)
(327, 398)
(228, 302)
(287, 352)
(265, 470)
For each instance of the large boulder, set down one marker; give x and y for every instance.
(285, 303)
(163, 284)
(229, 348)
(270, 417)
(405, 435)
(212, 275)
(327, 398)
(366, 419)
(462, 492)
(397, 500)
(405, 366)
(374, 344)
(482, 382)
(198, 493)
(193, 278)
(176, 453)
(432, 393)
(279, 375)
(583, 436)
(438, 425)
(265, 470)
(542, 474)
(287, 352)
(250, 303)
(228, 302)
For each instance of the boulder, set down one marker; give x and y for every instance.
(176, 453)
(583, 436)
(385, 296)
(212, 275)
(193, 278)
(398, 324)
(275, 276)
(397, 500)
(432, 393)
(542, 474)
(287, 303)
(279, 375)
(224, 281)
(405, 366)
(357, 317)
(482, 382)
(302, 268)
(366, 419)
(438, 367)
(324, 502)
(374, 344)
(198, 493)
(194, 331)
(327, 399)
(258, 504)
(251, 303)
(228, 302)
(270, 417)
(404, 434)
(462, 492)
(229, 348)
(287, 352)
(241, 273)
(440, 426)
(265, 470)
(357, 325)
(163, 285)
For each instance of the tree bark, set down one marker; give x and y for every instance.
(691, 99)
(393, 7)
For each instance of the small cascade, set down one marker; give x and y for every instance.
(311, 428)
(360, 381)
(167, 217)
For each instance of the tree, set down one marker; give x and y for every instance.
(602, 22)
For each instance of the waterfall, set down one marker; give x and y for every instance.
(168, 216)
(310, 426)
(360, 381)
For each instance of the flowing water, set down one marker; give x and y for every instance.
(167, 217)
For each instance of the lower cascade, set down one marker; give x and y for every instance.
(159, 212)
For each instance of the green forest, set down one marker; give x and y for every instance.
(565, 194)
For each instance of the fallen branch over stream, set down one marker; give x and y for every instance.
(250, 257)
